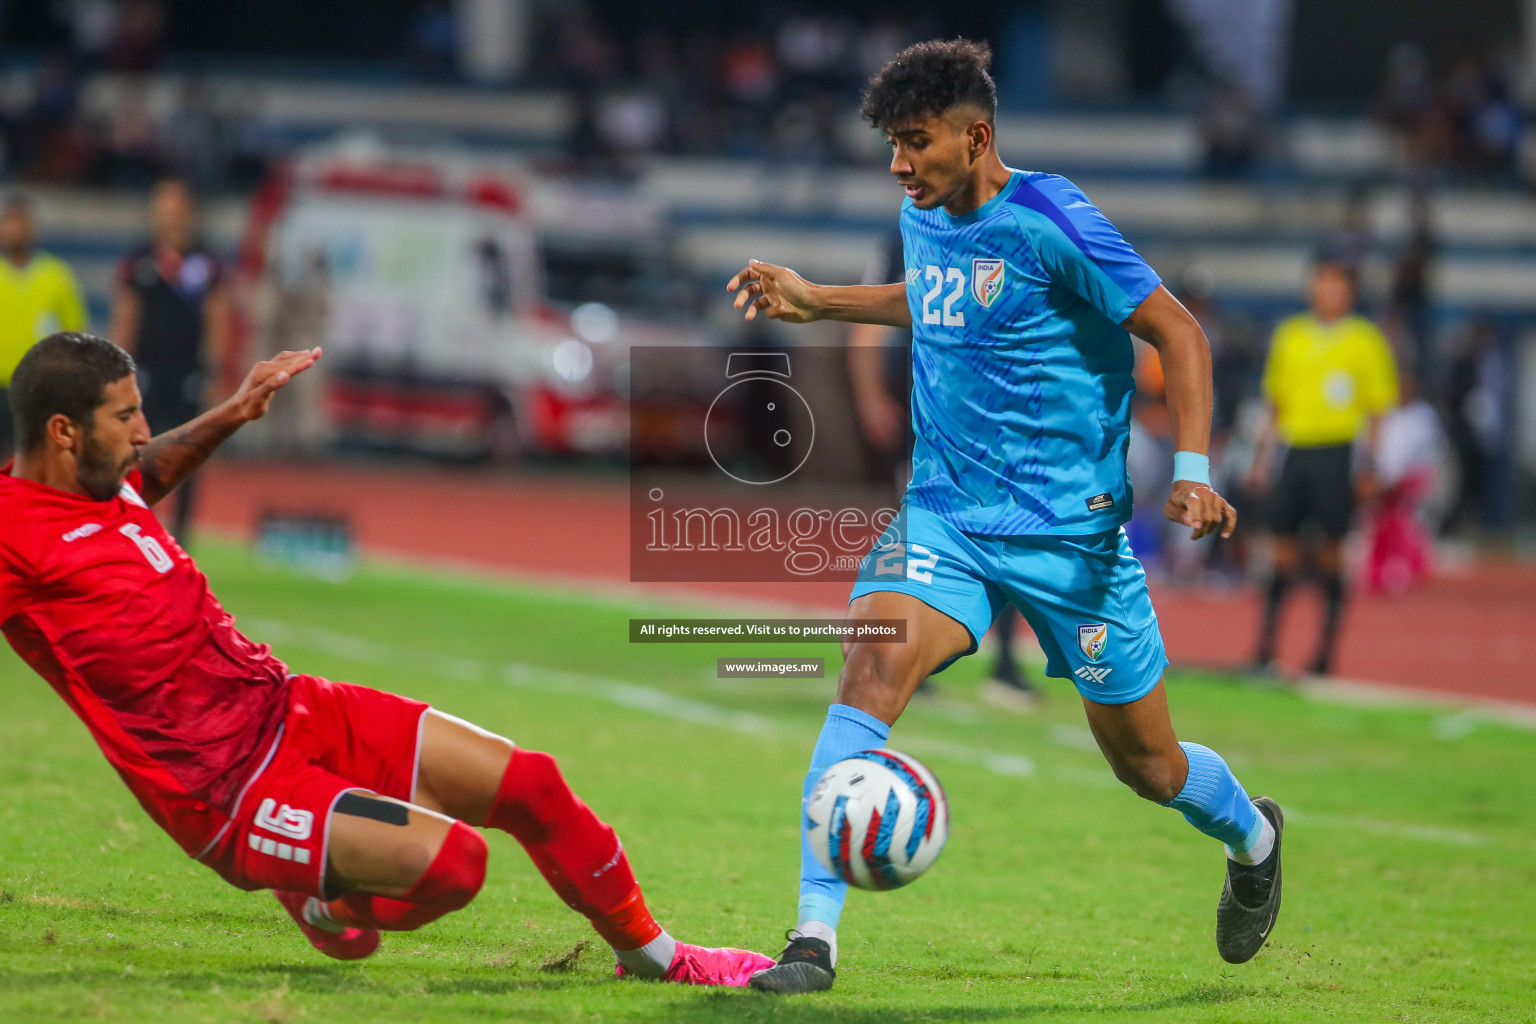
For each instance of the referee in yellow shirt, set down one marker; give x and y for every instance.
(1329, 378)
(38, 296)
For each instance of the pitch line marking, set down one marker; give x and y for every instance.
(613, 691)
(683, 709)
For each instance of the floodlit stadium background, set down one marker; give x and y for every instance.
(510, 222)
(479, 207)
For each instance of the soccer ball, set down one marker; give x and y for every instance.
(877, 819)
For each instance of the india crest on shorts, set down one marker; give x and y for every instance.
(987, 280)
(1093, 638)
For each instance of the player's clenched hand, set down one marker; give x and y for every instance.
(1201, 509)
(778, 292)
(254, 396)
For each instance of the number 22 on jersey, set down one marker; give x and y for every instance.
(939, 277)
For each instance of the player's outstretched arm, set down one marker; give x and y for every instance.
(781, 294)
(169, 459)
(1168, 327)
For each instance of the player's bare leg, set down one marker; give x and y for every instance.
(873, 689)
(880, 678)
(1138, 741)
(426, 861)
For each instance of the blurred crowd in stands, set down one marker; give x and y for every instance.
(699, 91)
(1462, 123)
(705, 91)
(680, 86)
(54, 129)
(50, 133)
(701, 86)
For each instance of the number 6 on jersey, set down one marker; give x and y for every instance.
(153, 552)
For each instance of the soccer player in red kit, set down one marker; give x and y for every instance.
(355, 806)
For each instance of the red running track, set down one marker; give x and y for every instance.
(1472, 634)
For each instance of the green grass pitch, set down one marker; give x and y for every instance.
(1410, 852)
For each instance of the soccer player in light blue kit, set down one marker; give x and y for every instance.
(1019, 293)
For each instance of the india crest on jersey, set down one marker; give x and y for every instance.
(987, 280)
(1093, 638)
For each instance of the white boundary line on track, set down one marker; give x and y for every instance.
(1367, 694)
(682, 709)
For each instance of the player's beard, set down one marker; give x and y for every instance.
(99, 474)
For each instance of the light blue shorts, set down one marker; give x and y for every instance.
(1084, 596)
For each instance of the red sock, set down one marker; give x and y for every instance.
(449, 883)
(580, 857)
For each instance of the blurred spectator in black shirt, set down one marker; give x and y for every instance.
(434, 39)
(136, 46)
(1471, 422)
(1408, 312)
(171, 312)
(1232, 131)
(880, 371)
(131, 154)
(1351, 242)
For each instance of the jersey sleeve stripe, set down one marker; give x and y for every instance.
(1027, 195)
(1111, 256)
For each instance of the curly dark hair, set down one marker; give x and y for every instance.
(64, 373)
(930, 78)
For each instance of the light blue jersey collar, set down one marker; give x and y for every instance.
(986, 208)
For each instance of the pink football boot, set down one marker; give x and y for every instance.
(703, 965)
(347, 944)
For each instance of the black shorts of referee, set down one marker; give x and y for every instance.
(1314, 485)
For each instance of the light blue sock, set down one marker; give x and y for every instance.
(847, 731)
(1214, 802)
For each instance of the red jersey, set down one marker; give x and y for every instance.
(103, 604)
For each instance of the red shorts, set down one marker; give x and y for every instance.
(336, 737)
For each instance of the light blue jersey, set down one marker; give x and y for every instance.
(1022, 376)
(1021, 402)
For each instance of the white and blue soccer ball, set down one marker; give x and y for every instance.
(877, 819)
